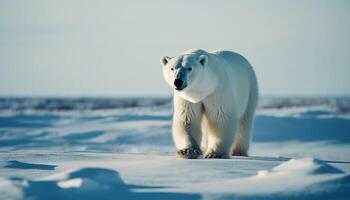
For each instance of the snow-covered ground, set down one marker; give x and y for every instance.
(122, 149)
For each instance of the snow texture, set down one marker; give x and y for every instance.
(122, 149)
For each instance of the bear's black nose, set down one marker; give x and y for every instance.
(178, 82)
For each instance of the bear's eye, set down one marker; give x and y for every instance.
(172, 69)
(189, 69)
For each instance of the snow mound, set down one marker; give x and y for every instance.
(307, 166)
(93, 179)
(306, 177)
(83, 183)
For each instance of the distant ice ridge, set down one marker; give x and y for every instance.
(305, 107)
(320, 107)
(76, 104)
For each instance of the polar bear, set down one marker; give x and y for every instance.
(215, 96)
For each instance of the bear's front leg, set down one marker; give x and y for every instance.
(186, 128)
(222, 127)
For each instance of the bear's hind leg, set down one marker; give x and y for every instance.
(244, 134)
(243, 137)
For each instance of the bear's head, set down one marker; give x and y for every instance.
(187, 74)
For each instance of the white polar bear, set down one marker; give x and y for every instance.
(215, 96)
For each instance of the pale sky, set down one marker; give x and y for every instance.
(112, 48)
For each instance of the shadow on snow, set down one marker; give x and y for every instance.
(94, 183)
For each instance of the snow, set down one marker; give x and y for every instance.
(125, 152)
(299, 174)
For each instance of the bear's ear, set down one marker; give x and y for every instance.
(164, 60)
(203, 59)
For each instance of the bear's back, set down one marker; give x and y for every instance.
(238, 65)
(232, 57)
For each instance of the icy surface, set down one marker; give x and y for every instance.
(122, 149)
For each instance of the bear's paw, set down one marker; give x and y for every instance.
(216, 155)
(189, 153)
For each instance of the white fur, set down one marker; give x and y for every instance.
(216, 110)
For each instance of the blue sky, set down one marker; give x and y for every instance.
(112, 48)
